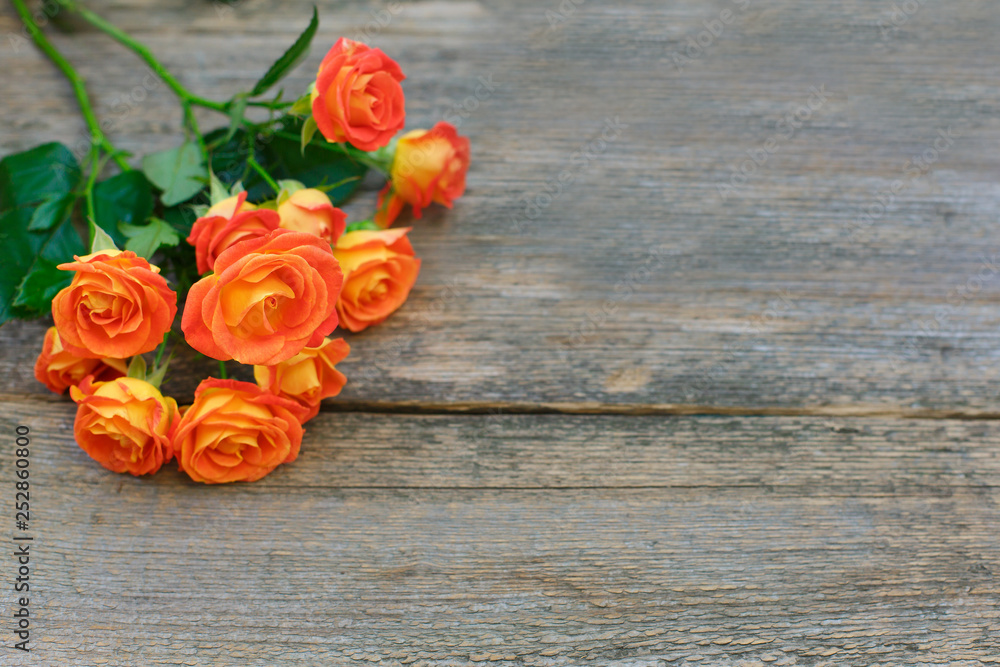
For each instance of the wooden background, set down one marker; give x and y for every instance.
(775, 442)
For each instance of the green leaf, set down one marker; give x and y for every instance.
(155, 377)
(229, 157)
(323, 164)
(303, 106)
(100, 239)
(137, 367)
(216, 188)
(236, 111)
(181, 218)
(28, 278)
(28, 178)
(295, 54)
(281, 155)
(40, 286)
(146, 239)
(179, 172)
(55, 209)
(309, 128)
(126, 197)
(362, 225)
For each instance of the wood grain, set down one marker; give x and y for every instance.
(838, 530)
(763, 300)
(530, 540)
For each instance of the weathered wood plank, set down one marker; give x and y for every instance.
(604, 540)
(764, 299)
(515, 578)
(804, 455)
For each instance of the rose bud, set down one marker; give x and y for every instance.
(268, 298)
(124, 424)
(225, 224)
(357, 97)
(58, 369)
(308, 377)
(429, 166)
(312, 212)
(379, 270)
(236, 432)
(117, 306)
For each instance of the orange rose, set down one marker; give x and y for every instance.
(117, 306)
(308, 377)
(225, 224)
(379, 270)
(429, 166)
(124, 424)
(357, 96)
(58, 369)
(268, 298)
(312, 212)
(236, 432)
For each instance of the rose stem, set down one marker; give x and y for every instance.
(143, 52)
(263, 174)
(222, 370)
(79, 87)
(161, 349)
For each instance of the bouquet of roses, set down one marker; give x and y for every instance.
(270, 268)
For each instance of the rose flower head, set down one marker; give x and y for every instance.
(58, 369)
(379, 271)
(124, 424)
(311, 211)
(429, 166)
(236, 432)
(117, 306)
(225, 224)
(308, 377)
(269, 297)
(357, 97)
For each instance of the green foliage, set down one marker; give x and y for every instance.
(309, 128)
(100, 239)
(280, 153)
(236, 114)
(137, 368)
(36, 242)
(39, 287)
(44, 195)
(362, 225)
(124, 198)
(302, 106)
(28, 178)
(144, 240)
(178, 172)
(181, 218)
(53, 210)
(295, 54)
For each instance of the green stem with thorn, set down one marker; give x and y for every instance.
(79, 88)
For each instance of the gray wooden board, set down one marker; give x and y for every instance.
(529, 540)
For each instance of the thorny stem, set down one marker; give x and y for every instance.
(143, 52)
(147, 56)
(263, 174)
(187, 99)
(79, 87)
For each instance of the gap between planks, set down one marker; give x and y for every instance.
(617, 409)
